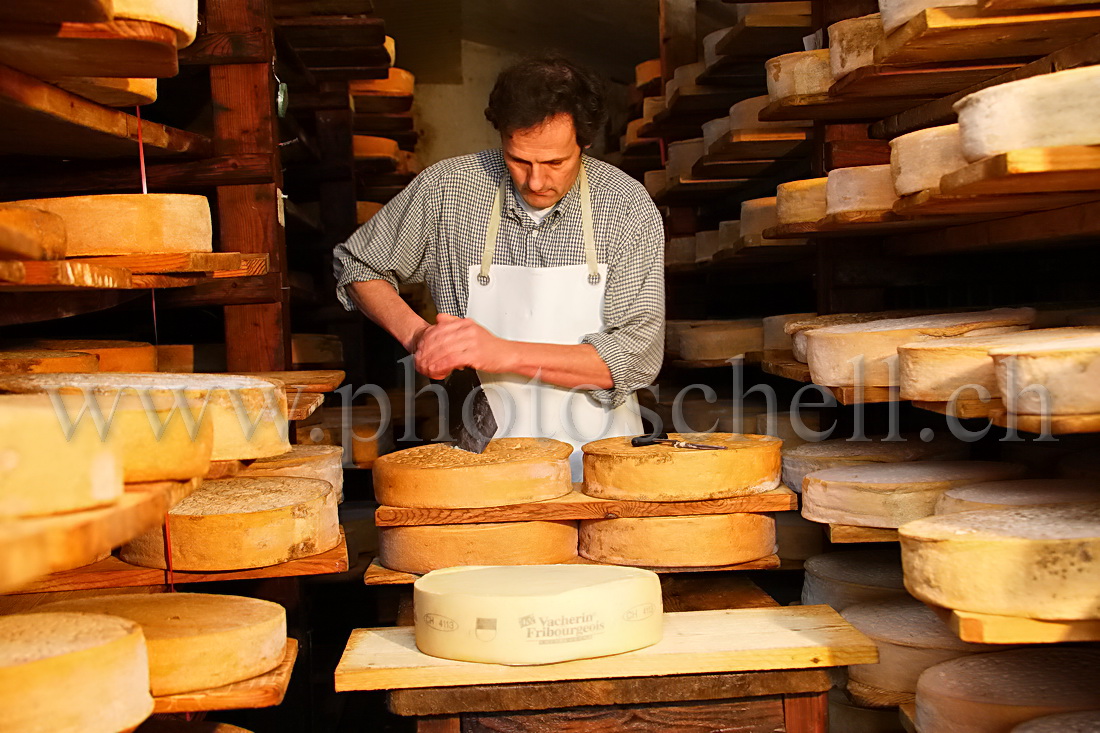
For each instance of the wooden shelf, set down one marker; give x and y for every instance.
(711, 167)
(760, 37)
(1056, 424)
(907, 712)
(318, 381)
(113, 573)
(880, 80)
(742, 145)
(118, 48)
(844, 395)
(708, 101)
(1029, 171)
(140, 264)
(688, 191)
(849, 534)
(860, 224)
(828, 107)
(301, 405)
(961, 409)
(985, 628)
(931, 203)
(54, 275)
(265, 691)
(752, 357)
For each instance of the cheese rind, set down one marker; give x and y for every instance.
(797, 74)
(613, 469)
(721, 340)
(439, 475)
(714, 132)
(745, 116)
(843, 579)
(679, 250)
(98, 661)
(536, 615)
(398, 82)
(859, 189)
(1060, 376)
(182, 16)
(1087, 721)
(196, 641)
(46, 361)
(797, 329)
(918, 160)
(682, 157)
(757, 215)
(775, 335)
(706, 540)
(425, 548)
(707, 244)
(1017, 493)
(896, 13)
(802, 460)
(114, 356)
(852, 43)
(365, 147)
(322, 462)
(800, 201)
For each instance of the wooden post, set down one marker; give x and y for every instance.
(807, 713)
(677, 24)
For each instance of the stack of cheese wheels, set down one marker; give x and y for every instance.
(422, 549)
(910, 638)
(866, 353)
(991, 693)
(1056, 377)
(789, 426)
(798, 74)
(179, 15)
(1087, 721)
(852, 43)
(248, 416)
(27, 233)
(1043, 111)
(1039, 562)
(801, 460)
(797, 539)
(358, 428)
(196, 641)
(72, 673)
(721, 340)
(896, 13)
(536, 615)
(920, 159)
(867, 188)
(891, 494)
(800, 201)
(43, 361)
(937, 370)
(114, 356)
(704, 540)
(323, 462)
(798, 328)
(120, 224)
(776, 337)
(844, 717)
(843, 579)
(745, 121)
(1018, 493)
(240, 523)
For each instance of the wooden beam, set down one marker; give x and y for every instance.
(251, 47)
(333, 32)
(265, 289)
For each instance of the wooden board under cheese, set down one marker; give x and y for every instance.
(44, 361)
(111, 92)
(27, 233)
(114, 356)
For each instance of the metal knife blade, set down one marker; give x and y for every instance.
(471, 420)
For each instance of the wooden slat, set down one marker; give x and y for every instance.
(265, 691)
(907, 712)
(168, 262)
(695, 191)
(984, 628)
(57, 11)
(999, 6)
(917, 81)
(931, 203)
(332, 32)
(741, 145)
(962, 409)
(1029, 171)
(61, 274)
(121, 48)
(862, 224)
(1055, 424)
(791, 369)
(251, 47)
(760, 37)
(301, 405)
(31, 307)
(848, 534)
(296, 8)
(317, 381)
(711, 167)
(701, 642)
(827, 107)
(252, 265)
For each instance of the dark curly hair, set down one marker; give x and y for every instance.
(536, 89)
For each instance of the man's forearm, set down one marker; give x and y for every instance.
(569, 366)
(379, 302)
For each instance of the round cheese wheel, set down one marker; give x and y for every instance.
(918, 160)
(852, 43)
(433, 547)
(365, 211)
(682, 156)
(858, 189)
(891, 494)
(196, 640)
(72, 673)
(1087, 721)
(1040, 562)
(111, 92)
(721, 340)
(45, 361)
(990, 693)
(802, 460)
(646, 72)
(745, 117)
(1018, 493)
(27, 233)
(844, 717)
(114, 356)
(679, 250)
(896, 13)
(439, 475)
(757, 215)
(714, 132)
(800, 201)
(775, 334)
(614, 469)
(398, 82)
(843, 579)
(324, 462)
(706, 540)
(798, 328)
(182, 16)
(536, 615)
(707, 244)
(240, 523)
(798, 74)
(1059, 376)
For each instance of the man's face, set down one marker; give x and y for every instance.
(544, 160)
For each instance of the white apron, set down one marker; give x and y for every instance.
(550, 305)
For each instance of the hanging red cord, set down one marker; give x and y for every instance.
(141, 152)
(168, 573)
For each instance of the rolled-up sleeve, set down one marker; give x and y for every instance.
(395, 245)
(632, 340)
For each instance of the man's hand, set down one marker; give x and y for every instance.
(455, 343)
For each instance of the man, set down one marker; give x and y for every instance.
(546, 265)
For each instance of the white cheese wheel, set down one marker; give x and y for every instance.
(729, 232)
(910, 638)
(651, 107)
(896, 13)
(990, 693)
(705, 540)
(715, 131)
(866, 353)
(46, 361)
(746, 10)
(800, 201)
(756, 216)
(196, 641)
(509, 471)
(938, 369)
(1060, 376)
(843, 579)
(536, 615)
(707, 244)
(798, 74)
(613, 469)
(683, 76)
(114, 356)
(120, 224)
(745, 116)
(633, 132)
(182, 16)
(920, 159)
(322, 462)
(802, 460)
(679, 250)
(1087, 721)
(1018, 493)
(682, 157)
(240, 523)
(891, 494)
(433, 547)
(775, 335)
(852, 43)
(862, 188)
(43, 471)
(797, 329)
(72, 673)
(1049, 110)
(796, 538)
(248, 415)
(111, 92)
(788, 427)
(1040, 562)
(721, 340)
(710, 46)
(845, 717)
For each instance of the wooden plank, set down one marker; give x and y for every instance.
(226, 291)
(61, 274)
(249, 47)
(882, 80)
(118, 48)
(740, 145)
(760, 37)
(694, 191)
(985, 628)
(758, 715)
(807, 713)
(711, 167)
(576, 505)
(962, 409)
(861, 224)
(1028, 171)
(828, 107)
(931, 203)
(964, 33)
(1055, 424)
(31, 307)
(999, 6)
(296, 8)
(700, 642)
(168, 262)
(305, 380)
(848, 534)
(57, 11)
(265, 691)
(39, 119)
(113, 573)
(332, 32)
(301, 405)
(791, 369)
(907, 712)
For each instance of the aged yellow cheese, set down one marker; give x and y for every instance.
(114, 356)
(721, 340)
(745, 116)
(800, 201)
(1059, 376)
(859, 189)
(798, 74)
(239, 523)
(651, 107)
(797, 329)
(366, 147)
(682, 157)
(536, 615)
(852, 43)
(756, 216)
(707, 244)
(398, 82)
(27, 233)
(655, 183)
(646, 72)
(1039, 561)
(111, 92)
(439, 475)
(248, 415)
(843, 579)
(918, 160)
(365, 211)
(120, 224)
(776, 337)
(866, 353)
(613, 469)
(182, 16)
(1018, 493)
(72, 673)
(802, 460)
(1087, 721)
(316, 348)
(323, 462)
(891, 494)
(176, 358)
(196, 640)
(706, 540)
(991, 693)
(46, 361)
(433, 547)
(797, 539)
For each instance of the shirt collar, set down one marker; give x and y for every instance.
(570, 201)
